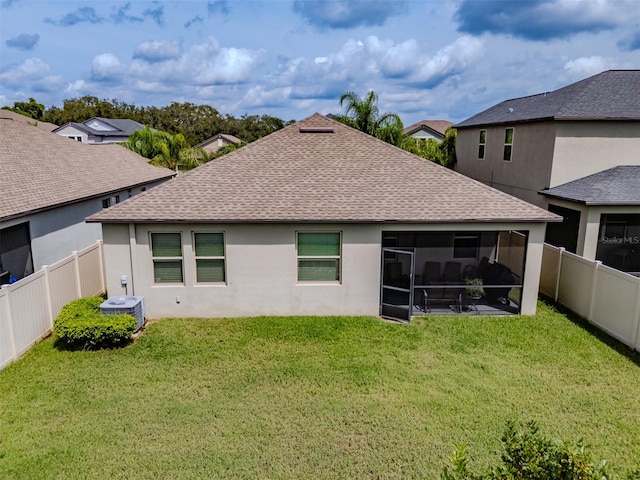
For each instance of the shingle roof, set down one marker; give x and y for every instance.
(438, 126)
(610, 95)
(123, 127)
(615, 186)
(319, 170)
(46, 126)
(225, 136)
(41, 170)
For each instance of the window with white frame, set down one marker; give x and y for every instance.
(166, 252)
(508, 144)
(482, 143)
(319, 255)
(209, 251)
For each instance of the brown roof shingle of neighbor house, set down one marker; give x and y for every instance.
(319, 170)
(42, 170)
(46, 126)
(438, 126)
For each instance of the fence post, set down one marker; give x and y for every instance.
(12, 337)
(592, 299)
(76, 263)
(635, 335)
(559, 268)
(103, 279)
(47, 287)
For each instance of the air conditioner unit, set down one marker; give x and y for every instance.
(131, 305)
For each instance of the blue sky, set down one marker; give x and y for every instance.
(291, 58)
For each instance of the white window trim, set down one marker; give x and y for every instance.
(480, 143)
(321, 257)
(513, 136)
(196, 258)
(160, 259)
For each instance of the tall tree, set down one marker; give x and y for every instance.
(166, 150)
(363, 114)
(31, 109)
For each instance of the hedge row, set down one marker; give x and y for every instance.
(81, 325)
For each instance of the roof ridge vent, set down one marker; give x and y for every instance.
(316, 130)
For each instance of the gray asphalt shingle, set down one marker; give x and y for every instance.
(41, 170)
(342, 176)
(610, 95)
(615, 186)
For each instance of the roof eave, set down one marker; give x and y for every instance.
(552, 218)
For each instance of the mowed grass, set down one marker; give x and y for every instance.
(324, 397)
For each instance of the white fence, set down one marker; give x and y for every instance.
(29, 307)
(606, 297)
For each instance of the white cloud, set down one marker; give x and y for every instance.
(75, 88)
(30, 70)
(107, 67)
(587, 66)
(157, 51)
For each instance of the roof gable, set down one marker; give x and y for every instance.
(320, 170)
(610, 95)
(615, 186)
(438, 127)
(42, 170)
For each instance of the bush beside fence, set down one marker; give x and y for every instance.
(29, 307)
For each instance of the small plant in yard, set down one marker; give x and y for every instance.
(530, 456)
(81, 325)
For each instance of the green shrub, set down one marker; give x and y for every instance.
(530, 456)
(81, 325)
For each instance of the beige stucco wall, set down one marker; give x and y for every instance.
(529, 169)
(584, 148)
(589, 230)
(261, 268)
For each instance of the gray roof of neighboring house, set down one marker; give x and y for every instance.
(615, 186)
(123, 127)
(42, 170)
(46, 126)
(225, 136)
(610, 95)
(320, 170)
(437, 126)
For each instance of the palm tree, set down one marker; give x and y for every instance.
(166, 150)
(363, 114)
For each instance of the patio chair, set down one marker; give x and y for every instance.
(452, 276)
(431, 276)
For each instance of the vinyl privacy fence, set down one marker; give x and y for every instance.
(29, 307)
(606, 297)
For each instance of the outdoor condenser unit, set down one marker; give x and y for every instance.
(131, 305)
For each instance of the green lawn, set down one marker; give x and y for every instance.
(324, 397)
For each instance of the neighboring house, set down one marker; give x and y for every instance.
(428, 129)
(99, 130)
(315, 219)
(46, 126)
(528, 144)
(49, 185)
(601, 217)
(218, 141)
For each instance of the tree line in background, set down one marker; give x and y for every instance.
(195, 123)
(173, 130)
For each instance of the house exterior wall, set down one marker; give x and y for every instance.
(425, 134)
(585, 148)
(531, 160)
(57, 232)
(70, 131)
(589, 231)
(261, 269)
